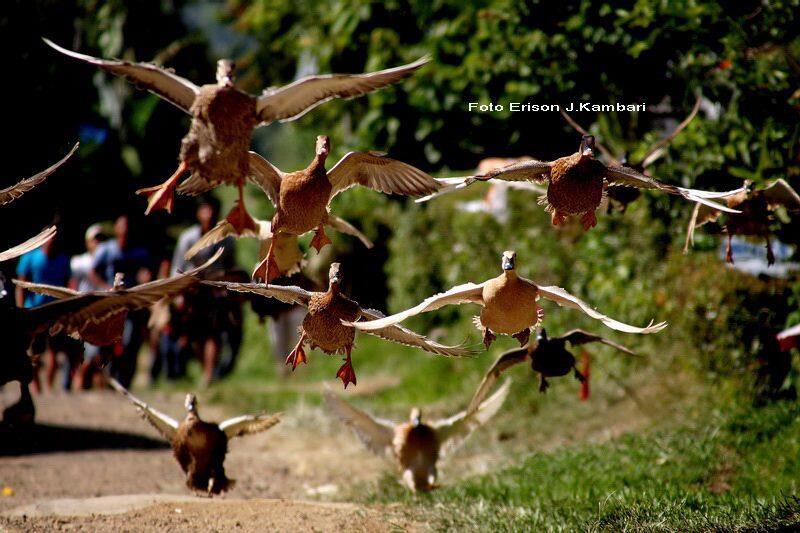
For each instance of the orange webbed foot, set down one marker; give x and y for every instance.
(240, 219)
(297, 356)
(162, 196)
(320, 239)
(589, 220)
(267, 270)
(558, 219)
(346, 373)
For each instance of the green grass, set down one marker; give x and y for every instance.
(724, 471)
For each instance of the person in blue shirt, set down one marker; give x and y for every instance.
(44, 265)
(133, 261)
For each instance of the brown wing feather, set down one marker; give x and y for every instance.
(29, 245)
(577, 337)
(292, 101)
(503, 363)
(10, 194)
(384, 174)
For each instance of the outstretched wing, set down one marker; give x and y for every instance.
(225, 229)
(700, 215)
(452, 432)
(466, 293)
(289, 294)
(248, 424)
(292, 101)
(658, 149)
(579, 336)
(564, 298)
(780, 193)
(503, 363)
(448, 185)
(10, 194)
(343, 226)
(401, 335)
(384, 174)
(532, 170)
(376, 434)
(265, 175)
(165, 424)
(29, 245)
(158, 80)
(628, 177)
(53, 291)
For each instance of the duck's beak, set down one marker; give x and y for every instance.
(509, 260)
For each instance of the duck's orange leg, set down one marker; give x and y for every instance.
(238, 217)
(161, 196)
(320, 240)
(346, 372)
(298, 355)
(268, 269)
(728, 250)
(558, 218)
(589, 220)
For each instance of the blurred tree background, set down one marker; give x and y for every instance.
(742, 57)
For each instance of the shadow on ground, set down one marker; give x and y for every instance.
(44, 438)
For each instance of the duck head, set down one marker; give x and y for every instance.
(225, 70)
(587, 146)
(119, 281)
(190, 403)
(323, 146)
(415, 417)
(749, 187)
(541, 336)
(509, 262)
(334, 277)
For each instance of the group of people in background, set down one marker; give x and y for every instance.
(204, 324)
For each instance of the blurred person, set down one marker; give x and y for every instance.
(121, 255)
(214, 316)
(84, 370)
(47, 264)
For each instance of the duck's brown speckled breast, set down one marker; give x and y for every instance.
(304, 197)
(509, 305)
(216, 146)
(576, 186)
(323, 324)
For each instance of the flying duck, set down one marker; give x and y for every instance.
(302, 198)
(509, 306)
(199, 446)
(416, 446)
(549, 357)
(754, 216)
(577, 183)
(216, 149)
(328, 325)
(622, 196)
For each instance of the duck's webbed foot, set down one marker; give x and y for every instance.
(298, 355)
(488, 337)
(162, 196)
(523, 336)
(589, 220)
(268, 269)
(346, 372)
(543, 383)
(558, 218)
(240, 219)
(320, 239)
